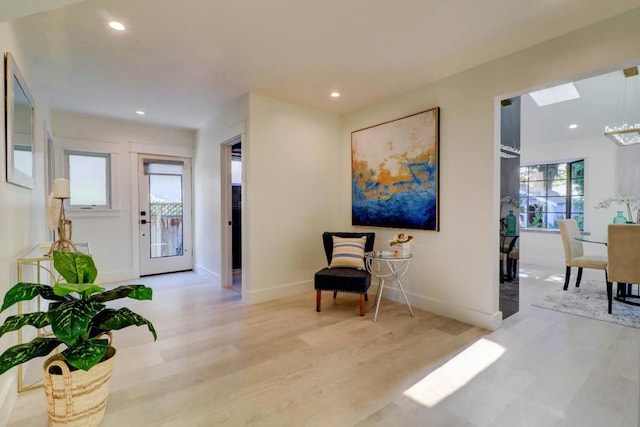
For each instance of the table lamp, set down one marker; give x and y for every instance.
(61, 191)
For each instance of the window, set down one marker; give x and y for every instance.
(89, 179)
(551, 192)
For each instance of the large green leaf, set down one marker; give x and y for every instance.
(62, 289)
(21, 353)
(13, 323)
(28, 291)
(85, 354)
(110, 319)
(69, 320)
(75, 267)
(139, 292)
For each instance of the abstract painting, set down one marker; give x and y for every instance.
(394, 173)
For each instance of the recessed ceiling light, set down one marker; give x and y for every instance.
(553, 95)
(335, 94)
(140, 112)
(573, 126)
(116, 25)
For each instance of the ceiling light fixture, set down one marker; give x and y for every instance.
(556, 94)
(118, 26)
(573, 126)
(335, 94)
(140, 112)
(625, 133)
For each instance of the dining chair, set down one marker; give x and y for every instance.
(623, 250)
(574, 254)
(507, 246)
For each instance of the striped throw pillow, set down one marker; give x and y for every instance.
(348, 252)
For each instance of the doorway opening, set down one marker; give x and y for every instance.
(236, 215)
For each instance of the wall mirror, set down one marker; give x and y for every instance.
(20, 109)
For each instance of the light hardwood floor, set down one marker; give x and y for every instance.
(220, 362)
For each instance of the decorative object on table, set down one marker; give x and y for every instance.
(347, 278)
(78, 317)
(509, 202)
(622, 199)
(19, 126)
(401, 243)
(59, 194)
(511, 224)
(574, 254)
(619, 218)
(394, 175)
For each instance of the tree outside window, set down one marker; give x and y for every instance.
(551, 192)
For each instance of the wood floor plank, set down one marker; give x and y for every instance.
(221, 362)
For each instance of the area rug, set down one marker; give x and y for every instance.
(590, 300)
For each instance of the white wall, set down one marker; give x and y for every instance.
(23, 215)
(600, 154)
(454, 272)
(289, 159)
(228, 123)
(113, 236)
(292, 190)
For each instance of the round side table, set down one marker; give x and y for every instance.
(396, 267)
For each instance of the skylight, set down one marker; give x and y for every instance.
(556, 94)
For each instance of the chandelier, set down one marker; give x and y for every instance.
(625, 133)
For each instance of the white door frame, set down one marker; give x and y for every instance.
(151, 149)
(226, 214)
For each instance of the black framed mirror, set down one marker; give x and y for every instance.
(19, 113)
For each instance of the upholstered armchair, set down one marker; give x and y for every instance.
(623, 251)
(574, 254)
(346, 271)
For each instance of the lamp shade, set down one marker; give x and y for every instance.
(61, 188)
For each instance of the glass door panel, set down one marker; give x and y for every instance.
(165, 210)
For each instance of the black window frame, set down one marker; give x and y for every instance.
(573, 198)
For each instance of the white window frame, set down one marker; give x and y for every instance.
(115, 152)
(108, 194)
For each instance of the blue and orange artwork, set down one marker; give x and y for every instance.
(395, 173)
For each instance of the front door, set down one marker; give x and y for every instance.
(164, 219)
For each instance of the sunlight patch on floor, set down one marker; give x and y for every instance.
(454, 374)
(555, 278)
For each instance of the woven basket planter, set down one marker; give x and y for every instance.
(77, 398)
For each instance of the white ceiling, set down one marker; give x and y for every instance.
(179, 60)
(607, 99)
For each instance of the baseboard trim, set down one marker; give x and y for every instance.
(203, 271)
(282, 291)
(490, 321)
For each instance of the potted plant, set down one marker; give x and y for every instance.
(79, 320)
